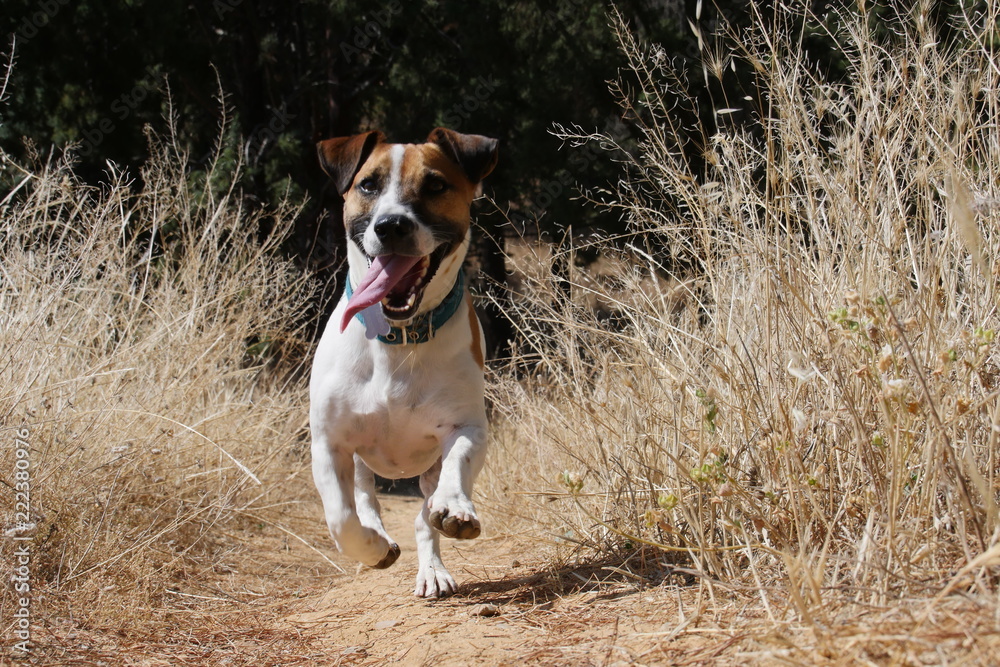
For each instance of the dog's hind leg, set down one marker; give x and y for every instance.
(433, 580)
(369, 510)
(333, 472)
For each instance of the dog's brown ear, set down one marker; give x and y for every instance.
(477, 155)
(342, 157)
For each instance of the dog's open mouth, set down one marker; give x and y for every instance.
(397, 282)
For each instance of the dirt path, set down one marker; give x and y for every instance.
(515, 608)
(269, 595)
(374, 617)
(507, 611)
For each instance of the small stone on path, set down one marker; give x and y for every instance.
(485, 609)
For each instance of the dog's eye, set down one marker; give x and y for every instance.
(435, 186)
(368, 185)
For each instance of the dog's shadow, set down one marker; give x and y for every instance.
(610, 578)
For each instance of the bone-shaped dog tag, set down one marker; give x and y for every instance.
(375, 322)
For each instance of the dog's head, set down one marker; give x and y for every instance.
(406, 211)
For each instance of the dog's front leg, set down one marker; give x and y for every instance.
(334, 474)
(447, 507)
(433, 579)
(450, 507)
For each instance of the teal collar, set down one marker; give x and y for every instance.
(423, 327)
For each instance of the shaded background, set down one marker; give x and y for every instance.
(95, 74)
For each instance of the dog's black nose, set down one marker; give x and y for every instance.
(393, 227)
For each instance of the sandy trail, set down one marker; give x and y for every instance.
(514, 607)
(264, 597)
(509, 609)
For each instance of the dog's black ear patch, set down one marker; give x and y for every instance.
(342, 157)
(476, 154)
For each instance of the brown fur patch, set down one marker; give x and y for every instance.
(424, 161)
(377, 166)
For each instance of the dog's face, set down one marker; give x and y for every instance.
(406, 210)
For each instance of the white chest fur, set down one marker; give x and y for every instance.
(395, 405)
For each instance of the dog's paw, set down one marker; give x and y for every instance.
(434, 582)
(390, 557)
(365, 545)
(459, 525)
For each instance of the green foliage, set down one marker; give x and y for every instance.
(97, 73)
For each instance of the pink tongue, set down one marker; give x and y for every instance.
(385, 272)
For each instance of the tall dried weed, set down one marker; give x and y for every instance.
(788, 380)
(136, 324)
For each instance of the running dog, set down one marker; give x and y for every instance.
(397, 384)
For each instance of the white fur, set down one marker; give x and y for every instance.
(400, 411)
(392, 202)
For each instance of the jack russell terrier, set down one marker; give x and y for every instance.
(397, 384)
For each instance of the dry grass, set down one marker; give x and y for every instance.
(144, 333)
(809, 408)
(779, 401)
